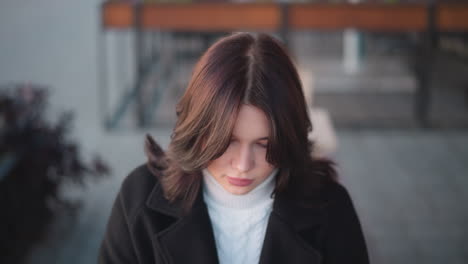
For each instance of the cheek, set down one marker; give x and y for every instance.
(224, 159)
(263, 166)
(219, 164)
(260, 157)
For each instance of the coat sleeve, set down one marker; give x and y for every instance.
(117, 246)
(344, 241)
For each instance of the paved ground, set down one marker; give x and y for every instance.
(409, 188)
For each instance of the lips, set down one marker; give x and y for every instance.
(239, 182)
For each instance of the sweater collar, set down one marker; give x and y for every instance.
(215, 192)
(286, 208)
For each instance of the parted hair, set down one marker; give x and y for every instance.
(241, 68)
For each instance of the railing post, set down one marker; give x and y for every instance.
(423, 93)
(284, 26)
(140, 64)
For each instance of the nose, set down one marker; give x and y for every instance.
(243, 161)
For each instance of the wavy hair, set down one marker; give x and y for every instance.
(241, 68)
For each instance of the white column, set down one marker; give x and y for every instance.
(351, 61)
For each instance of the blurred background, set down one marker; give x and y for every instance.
(81, 82)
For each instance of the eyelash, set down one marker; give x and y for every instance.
(259, 144)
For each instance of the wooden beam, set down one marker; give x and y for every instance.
(195, 17)
(452, 17)
(267, 16)
(212, 16)
(117, 15)
(379, 17)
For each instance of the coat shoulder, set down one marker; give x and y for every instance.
(128, 237)
(335, 192)
(136, 188)
(343, 236)
(329, 193)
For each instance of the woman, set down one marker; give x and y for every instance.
(237, 183)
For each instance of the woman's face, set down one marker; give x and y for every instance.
(243, 165)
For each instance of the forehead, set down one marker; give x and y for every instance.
(251, 123)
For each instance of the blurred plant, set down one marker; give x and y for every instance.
(36, 159)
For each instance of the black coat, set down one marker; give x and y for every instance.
(145, 228)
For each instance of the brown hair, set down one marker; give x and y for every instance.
(239, 69)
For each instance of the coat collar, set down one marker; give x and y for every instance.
(193, 232)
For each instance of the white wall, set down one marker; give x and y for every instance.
(53, 43)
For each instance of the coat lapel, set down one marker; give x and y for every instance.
(186, 238)
(189, 238)
(290, 228)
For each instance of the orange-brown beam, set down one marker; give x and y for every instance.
(195, 17)
(230, 16)
(452, 17)
(381, 17)
(118, 15)
(212, 17)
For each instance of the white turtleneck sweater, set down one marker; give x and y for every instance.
(239, 221)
